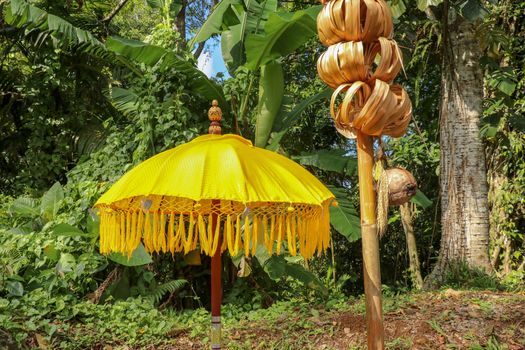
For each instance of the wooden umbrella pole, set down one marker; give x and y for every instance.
(370, 242)
(216, 292)
(215, 116)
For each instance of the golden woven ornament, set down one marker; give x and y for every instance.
(361, 63)
(383, 110)
(354, 61)
(354, 20)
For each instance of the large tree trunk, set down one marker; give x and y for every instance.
(463, 183)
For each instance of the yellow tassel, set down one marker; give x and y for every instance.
(148, 242)
(294, 234)
(229, 234)
(309, 238)
(327, 228)
(156, 234)
(255, 233)
(289, 235)
(216, 233)
(209, 235)
(202, 235)
(140, 226)
(193, 233)
(178, 241)
(171, 233)
(224, 241)
(237, 236)
(103, 235)
(272, 236)
(317, 227)
(114, 233)
(265, 231)
(279, 233)
(300, 235)
(129, 239)
(181, 228)
(117, 232)
(109, 232)
(163, 232)
(123, 242)
(247, 235)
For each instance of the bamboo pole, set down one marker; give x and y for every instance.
(370, 243)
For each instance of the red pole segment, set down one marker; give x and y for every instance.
(215, 116)
(216, 293)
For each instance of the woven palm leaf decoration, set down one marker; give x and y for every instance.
(360, 63)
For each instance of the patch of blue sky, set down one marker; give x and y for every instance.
(210, 62)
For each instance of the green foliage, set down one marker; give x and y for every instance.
(343, 216)
(85, 100)
(138, 257)
(285, 122)
(214, 22)
(134, 322)
(22, 14)
(284, 32)
(277, 268)
(271, 89)
(461, 276)
(336, 160)
(168, 287)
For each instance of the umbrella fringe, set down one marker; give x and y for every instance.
(122, 231)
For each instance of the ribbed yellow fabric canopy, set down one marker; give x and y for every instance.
(257, 197)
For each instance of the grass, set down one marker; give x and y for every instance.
(430, 320)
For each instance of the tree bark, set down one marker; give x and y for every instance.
(415, 269)
(463, 183)
(115, 11)
(180, 23)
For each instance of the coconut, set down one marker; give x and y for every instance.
(402, 186)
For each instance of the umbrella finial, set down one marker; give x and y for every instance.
(215, 116)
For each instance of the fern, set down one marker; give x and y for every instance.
(124, 100)
(168, 287)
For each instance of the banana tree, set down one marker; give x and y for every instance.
(256, 36)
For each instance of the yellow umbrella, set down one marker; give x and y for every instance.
(179, 200)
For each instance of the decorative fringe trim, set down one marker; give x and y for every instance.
(173, 232)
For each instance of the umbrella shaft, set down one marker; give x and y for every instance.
(216, 293)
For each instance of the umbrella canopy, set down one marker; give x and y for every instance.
(172, 201)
